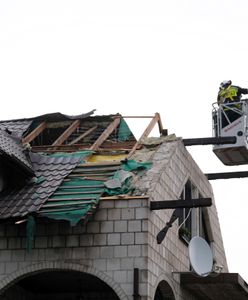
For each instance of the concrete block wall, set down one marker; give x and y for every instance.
(111, 245)
(172, 167)
(120, 237)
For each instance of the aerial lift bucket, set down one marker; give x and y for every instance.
(231, 120)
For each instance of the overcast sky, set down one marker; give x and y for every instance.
(134, 58)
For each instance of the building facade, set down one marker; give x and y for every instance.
(113, 252)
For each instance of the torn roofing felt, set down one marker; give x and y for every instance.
(78, 195)
(19, 127)
(18, 123)
(55, 117)
(67, 181)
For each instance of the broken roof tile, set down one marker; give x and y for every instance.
(21, 201)
(62, 181)
(17, 127)
(11, 148)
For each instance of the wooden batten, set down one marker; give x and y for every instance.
(83, 135)
(67, 133)
(155, 119)
(32, 135)
(112, 126)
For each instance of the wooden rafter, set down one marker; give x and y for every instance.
(66, 133)
(83, 135)
(106, 133)
(32, 135)
(160, 125)
(155, 119)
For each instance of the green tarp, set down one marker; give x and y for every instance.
(73, 216)
(124, 132)
(133, 165)
(76, 196)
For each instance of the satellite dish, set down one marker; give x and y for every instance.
(200, 256)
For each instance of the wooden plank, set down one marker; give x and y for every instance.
(76, 193)
(77, 203)
(112, 126)
(32, 135)
(82, 186)
(99, 164)
(160, 125)
(145, 133)
(124, 197)
(91, 174)
(83, 135)
(94, 168)
(61, 209)
(67, 133)
(85, 199)
(170, 204)
(72, 199)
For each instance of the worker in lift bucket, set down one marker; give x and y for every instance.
(229, 94)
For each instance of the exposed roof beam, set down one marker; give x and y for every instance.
(160, 125)
(155, 119)
(210, 141)
(227, 175)
(170, 204)
(112, 126)
(32, 135)
(83, 135)
(66, 133)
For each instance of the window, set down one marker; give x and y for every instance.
(203, 229)
(192, 221)
(185, 218)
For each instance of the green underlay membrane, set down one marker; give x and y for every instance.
(81, 154)
(30, 231)
(133, 165)
(77, 196)
(73, 216)
(124, 132)
(121, 183)
(73, 200)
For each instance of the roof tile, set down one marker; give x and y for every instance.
(13, 150)
(19, 202)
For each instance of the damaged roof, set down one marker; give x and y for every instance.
(70, 162)
(12, 151)
(49, 174)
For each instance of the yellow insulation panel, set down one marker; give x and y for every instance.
(103, 158)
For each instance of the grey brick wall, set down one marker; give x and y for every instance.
(120, 237)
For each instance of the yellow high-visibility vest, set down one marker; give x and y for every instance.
(229, 93)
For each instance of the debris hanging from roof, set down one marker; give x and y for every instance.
(70, 162)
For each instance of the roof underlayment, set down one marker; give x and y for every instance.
(73, 162)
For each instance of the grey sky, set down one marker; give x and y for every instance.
(132, 57)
